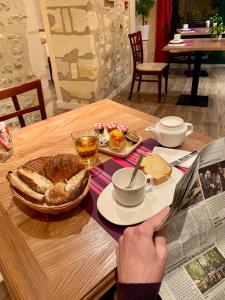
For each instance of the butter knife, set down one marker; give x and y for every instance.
(182, 159)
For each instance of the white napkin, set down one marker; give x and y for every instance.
(187, 31)
(172, 154)
(178, 45)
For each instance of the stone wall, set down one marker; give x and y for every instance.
(91, 48)
(20, 59)
(112, 46)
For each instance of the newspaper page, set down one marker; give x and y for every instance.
(196, 234)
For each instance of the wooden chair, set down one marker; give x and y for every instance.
(140, 68)
(12, 92)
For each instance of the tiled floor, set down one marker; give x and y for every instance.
(209, 120)
(206, 120)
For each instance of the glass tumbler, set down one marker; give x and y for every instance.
(86, 146)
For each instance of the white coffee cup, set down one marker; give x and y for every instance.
(185, 26)
(134, 195)
(177, 37)
(214, 24)
(207, 23)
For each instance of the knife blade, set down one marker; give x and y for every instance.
(182, 159)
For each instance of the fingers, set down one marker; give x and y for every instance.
(161, 246)
(160, 240)
(153, 223)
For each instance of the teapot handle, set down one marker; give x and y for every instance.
(189, 129)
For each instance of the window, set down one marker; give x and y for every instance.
(195, 12)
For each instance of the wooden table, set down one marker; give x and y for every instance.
(196, 32)
(68, 257)
(199, 46)
(199, 32)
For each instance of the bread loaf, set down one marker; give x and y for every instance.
(34, 180)
(22, 187)
(62, 167)
(157, 167)
(63, 192)
(50, 180)
(37, 164)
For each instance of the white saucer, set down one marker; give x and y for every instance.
(188, 29)
(176, 42)
(155, 200)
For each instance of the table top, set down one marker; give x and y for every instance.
(57, 257)
(196, 31)
(201, 44)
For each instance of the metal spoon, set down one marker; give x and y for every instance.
(135, 170)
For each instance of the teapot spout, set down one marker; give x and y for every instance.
(154, 131)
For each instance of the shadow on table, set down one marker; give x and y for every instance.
(45, 226)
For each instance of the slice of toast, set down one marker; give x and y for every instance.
(22, 187)
(63, 192)
(157, 167)
(34, 180)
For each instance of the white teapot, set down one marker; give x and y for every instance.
(171, 131)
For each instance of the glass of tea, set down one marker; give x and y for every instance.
(86, 146)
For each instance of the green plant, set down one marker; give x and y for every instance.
(143, 8)
(216, 19)
(217, 31)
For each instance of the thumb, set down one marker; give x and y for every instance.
(153, 223)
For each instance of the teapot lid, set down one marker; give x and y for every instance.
(171, 122)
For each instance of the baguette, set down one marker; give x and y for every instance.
(157, 167)
(22, 187)
(34, 180)
(62, 167)
(63, 192)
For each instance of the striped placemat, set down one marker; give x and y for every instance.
(102, 176)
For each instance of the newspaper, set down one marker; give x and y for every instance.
(196, 231)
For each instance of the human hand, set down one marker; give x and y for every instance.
(142, 255)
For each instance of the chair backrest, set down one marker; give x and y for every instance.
(12, 92)
(137, 47)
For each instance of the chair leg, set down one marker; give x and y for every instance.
(159, 87)
(166, 79)
(132, 86)
(139, 83)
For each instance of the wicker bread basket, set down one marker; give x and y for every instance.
(36, 165)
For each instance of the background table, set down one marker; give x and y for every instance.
(196, 32)
(61, 257)
(199, 46)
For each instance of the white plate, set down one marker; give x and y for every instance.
(176, 42)
(128, 149)
(188, 29)
(173, 154)
(155, 200)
